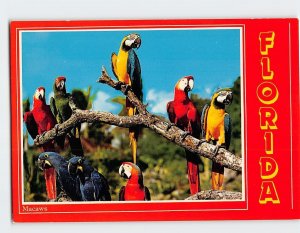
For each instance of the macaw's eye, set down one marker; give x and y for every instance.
(46, 155)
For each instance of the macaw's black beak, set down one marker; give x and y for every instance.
(44, 164)
(228, 99)
(72, 169)
(137, 43)
(187, 88)
(122, 171)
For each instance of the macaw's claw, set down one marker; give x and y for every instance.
(184, 135)
(118, 85)
(127, 88)
(169, 126)
(200, 142)
(43, 134)
(216, 150)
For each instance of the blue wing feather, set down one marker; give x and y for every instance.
(101, 186)
(204, 119)
(134, 71)
(228, 128)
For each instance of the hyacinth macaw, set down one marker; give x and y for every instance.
(93, 185)
(126, 67)
(61, 109)
(68, 183)
(216, 127)
(134, 189)
(38, 121)
(183, 114)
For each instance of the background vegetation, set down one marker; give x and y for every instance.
(162, 162)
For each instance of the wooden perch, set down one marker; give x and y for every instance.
(216, 195)
(144, 118)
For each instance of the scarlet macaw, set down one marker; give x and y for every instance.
(126, 67)
(183, 113)
(62, 111)
(93, 185)
(38, 121)
(68, 183)
(216, 127)
(134, 189)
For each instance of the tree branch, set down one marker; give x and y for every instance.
(215, 195)
(144, 118)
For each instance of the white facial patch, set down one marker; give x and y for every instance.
(127, 170)
(36, 94)
(129, 42)
(191, 84)
(182, 84)
(221, 98)
(61, 84)
(42, 92)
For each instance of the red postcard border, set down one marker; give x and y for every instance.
(144, 211)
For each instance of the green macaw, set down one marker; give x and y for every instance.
(61, 109)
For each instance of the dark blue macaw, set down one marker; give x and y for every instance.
(93, 185)
(69, 184)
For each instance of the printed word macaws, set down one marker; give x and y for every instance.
(68, 183)
(60, 107)
(216, 127)
(134, 189)
(183, 113)
(93, 185)
(38, 121)
(126, 67)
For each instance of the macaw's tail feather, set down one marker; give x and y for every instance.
(133, 134)
(217, 176)
(133, 138)
(193, 172)
(50, 178)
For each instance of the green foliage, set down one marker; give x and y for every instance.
(234, 109)
(163, 163)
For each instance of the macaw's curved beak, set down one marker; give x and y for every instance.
(79, 169)
(137, 43)
(44, 164)
(229, 98)
(187, 88)
(124, 173)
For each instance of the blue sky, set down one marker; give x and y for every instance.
(212, 56)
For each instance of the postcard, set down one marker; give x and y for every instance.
(155, 120)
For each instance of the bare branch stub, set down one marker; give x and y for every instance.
(216, 195)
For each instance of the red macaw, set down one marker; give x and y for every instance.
(134, 189)
(183, 114)
(38, 121)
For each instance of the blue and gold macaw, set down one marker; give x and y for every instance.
(216, 127)
(126, 67)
